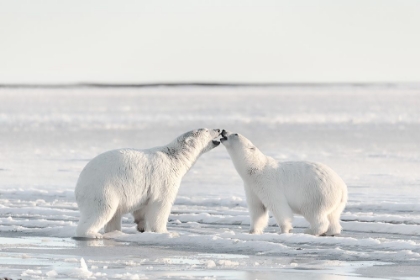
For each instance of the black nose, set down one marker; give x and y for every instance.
(224, 132)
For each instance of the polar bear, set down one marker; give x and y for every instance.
(312, 190)
(141, 182)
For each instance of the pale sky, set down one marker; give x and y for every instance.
(209, 41)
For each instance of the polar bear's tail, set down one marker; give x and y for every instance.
(334, 217)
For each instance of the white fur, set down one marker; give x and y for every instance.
(141, 182)
(312, 190)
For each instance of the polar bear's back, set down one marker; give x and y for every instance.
(124, 174)
(113, 164)
(306, 184)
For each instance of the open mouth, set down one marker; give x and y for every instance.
(216, 142)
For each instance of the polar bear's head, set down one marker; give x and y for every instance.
(202, 139)
(243, 153)
(235, 142)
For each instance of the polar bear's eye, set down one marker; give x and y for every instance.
(236, 134)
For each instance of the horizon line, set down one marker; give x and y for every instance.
(203, 84)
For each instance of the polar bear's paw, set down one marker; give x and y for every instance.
(141, 228)
(315, 232)
(334, 229)
(256, 231)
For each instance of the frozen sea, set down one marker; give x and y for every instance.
(370, 135)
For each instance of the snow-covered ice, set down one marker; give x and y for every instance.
(369, 135)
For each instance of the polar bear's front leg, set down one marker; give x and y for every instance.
(140, 219)
(157, 215)
(257, 211)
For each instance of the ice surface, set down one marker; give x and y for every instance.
(368, 135)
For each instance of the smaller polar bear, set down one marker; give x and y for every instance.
(141, 182)
(312, 190)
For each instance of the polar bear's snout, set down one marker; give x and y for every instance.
(224, 136)
(216, 141)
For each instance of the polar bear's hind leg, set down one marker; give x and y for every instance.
(319, 225)
(114, 223)
(88, 227)
(93, 219)
(334, 218)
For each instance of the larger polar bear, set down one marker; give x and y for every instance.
(312, 190)
(141, 182)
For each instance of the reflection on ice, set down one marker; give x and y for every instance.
(91, 242)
